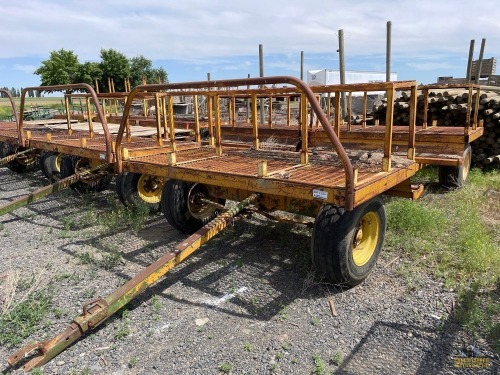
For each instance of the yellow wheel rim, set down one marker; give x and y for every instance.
(149, 188)
(366, 239)
(57, 163)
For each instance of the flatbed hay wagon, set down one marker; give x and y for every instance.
(336, 186)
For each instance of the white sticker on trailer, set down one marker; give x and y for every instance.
(320, 194)
(102, 156)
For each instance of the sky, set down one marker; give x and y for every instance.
(191, 38)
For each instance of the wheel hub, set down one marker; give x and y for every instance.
(196, 206)
(149, 188)
(366, 238)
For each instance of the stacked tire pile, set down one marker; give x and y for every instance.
(449, 108)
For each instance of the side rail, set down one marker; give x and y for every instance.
(15, 113)
(214, 105)
(69, 88)
(342, 111)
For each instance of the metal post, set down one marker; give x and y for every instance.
(469, 62)
(302, 65)
(480, 62)
(388, 53)
(248, 105)
(261, 66)
(342, 69)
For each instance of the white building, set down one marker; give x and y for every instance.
(332, 77)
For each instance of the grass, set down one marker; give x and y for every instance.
(120, 216)
(123, 328)
(225, 367)
(156, 306)
(132, 362)
(454, 235)
(319, 365)
(50, 102)
(107, 261)
(25, 318)
(336, 358)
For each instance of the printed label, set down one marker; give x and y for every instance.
(320, 194)
(102, 156)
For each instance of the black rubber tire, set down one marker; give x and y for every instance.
(68, 168)
(7, 149)
(455, 177)
(127, 190)
(119, 187)
(49, 165)
(332, 242)
(174, 205)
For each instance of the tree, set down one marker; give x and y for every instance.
(114, 65)
(63, 68)
(60, 69)
(142, 69)
(88, 72)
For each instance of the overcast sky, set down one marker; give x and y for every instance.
(190, 38)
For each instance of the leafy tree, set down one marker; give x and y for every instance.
(60, 69)
(142, 69)
(114, 65)
(160, 74)
(63, 68)
(88, 72)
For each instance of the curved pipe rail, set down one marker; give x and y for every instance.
(75, 86)
(13, 104)
(349, 172)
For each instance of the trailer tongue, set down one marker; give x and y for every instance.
(98, 310)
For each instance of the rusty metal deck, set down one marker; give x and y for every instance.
(436, 145)
(323, 176)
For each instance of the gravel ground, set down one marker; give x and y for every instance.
(246, 303)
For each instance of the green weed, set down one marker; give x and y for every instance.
(123, 328)
(25, 318)
(319, 365)
(132, 362)
(336, 358)
(283, 313)
(225, 367)
(108, 261)
(156, 306)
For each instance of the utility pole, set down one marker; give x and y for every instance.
(261, 65)
(469, 62)
(302, 65)
(480, 62)
(388, 53)
(342, 71)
